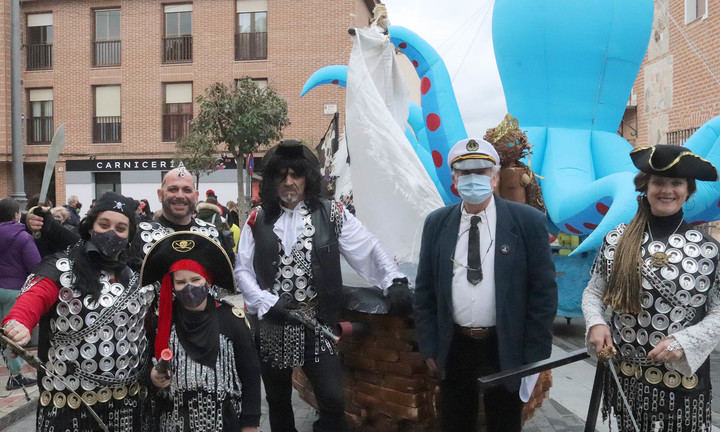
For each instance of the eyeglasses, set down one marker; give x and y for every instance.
(482, 259)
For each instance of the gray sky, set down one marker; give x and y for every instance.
(460, 30)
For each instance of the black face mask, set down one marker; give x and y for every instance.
(108, 244)
(192, 295)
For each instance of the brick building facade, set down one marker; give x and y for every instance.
(678, 87)
(123, 76)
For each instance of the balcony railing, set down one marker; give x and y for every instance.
(175, 126)
(251, 46)
(40, 130)
(679, 137)
(107, 129)
(177, 49)
(39, 56)
(107, 53)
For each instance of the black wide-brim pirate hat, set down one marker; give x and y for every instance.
(291, 149)
(673, 161)
(190, 245)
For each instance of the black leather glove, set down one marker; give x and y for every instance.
(399, 297)
(280, 311)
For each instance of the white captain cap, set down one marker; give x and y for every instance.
(473, 153)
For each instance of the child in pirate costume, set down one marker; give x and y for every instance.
(213, 380)
(91, 310)
(659, 276)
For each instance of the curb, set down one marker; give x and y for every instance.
(18, 413)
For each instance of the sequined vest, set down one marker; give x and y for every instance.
(325, 277)
(98, 345)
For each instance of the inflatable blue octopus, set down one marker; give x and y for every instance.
(567, 69)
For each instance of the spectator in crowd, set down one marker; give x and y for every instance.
(62, 215)
(73, 206)
(18, 255)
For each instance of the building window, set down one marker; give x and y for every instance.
(695, 9)
(107, 182)
(107, 38)
(177, 44)
(262, 83)
(177, 111)
(40, 121)
(251, 32)
(107, 121)
(39, 41)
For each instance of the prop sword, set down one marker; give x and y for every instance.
(37, 364)
(56, 146)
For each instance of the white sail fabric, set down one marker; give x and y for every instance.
(391, 190)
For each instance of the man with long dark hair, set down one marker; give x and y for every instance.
(288, 262)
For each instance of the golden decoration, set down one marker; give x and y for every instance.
(659, 259)
(506, 126)
(653, 375)
(238, 312)
(183, 246)
(690, 382)
(59, 400)
(73, 401)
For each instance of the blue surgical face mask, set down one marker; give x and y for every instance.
(474, 188)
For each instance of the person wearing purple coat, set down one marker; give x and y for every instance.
(18, 255)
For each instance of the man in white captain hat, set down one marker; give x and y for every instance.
(485, 292)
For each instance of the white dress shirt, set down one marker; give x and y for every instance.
(474, 305)
(357, 245)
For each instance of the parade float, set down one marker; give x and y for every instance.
(567, 69)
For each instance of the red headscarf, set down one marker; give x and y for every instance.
(165, 302)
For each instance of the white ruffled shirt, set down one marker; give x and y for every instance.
(360, 248)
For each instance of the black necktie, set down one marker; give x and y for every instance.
(474, 270)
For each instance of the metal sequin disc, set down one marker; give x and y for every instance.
(75, 306)
(287, 272)
(627, 334)
(120, 333)
(616, 337)
(121, 319)
(674, 256)
(646, 300)
(106, 300)
(122, 362)
(692, 250)
(299, 271)
(677, 314)
(669, 285)
(60, 367)
(697, 300)
(86, 384)
(89, 365)
(204, 231)
(628, 320)
(66, 280)
(62, 324)
(676, 240)
(213, 232)
(123, 347)
(612, 237)
(660, 322)
(106, 333)
(133, 334)
(609, 253)
(669, 272)
(133, 306)
(655, 338)
(146, 236)
(286, 259)
(157, 235)
(106, 348)
(145, 226)
(301, 282)
(642, 336)
(644, 317)
(147, 247)
(300, 295)
(90, 318)
(690, 265)
(683, 297)
(65, 294)
(662, 306)
(702, 283)
(687, 281)
(308, 231)
(693, 235)
(308, 245)
(106, 364)
(655, 247)
(63, 264)
(62, 309)
(104, 395)
(71, 353)
(47, 383)
(675, 327)
(88, 351)
(91, 337)
(709, 250)
(76, 323)
(116, 289)
(627, 350)
(73, 382)
(705, 266)
(310, 292)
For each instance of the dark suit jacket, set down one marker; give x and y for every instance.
(525, 289)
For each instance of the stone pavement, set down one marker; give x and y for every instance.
(14, 404)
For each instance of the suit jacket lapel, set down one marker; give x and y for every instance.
(505, 244)
(446, 249)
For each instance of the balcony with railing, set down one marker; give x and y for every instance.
(177, 49)
(175, 126)
(107, 129)
(678, 137)
(106, 53)
(40, 130)
(39, 56)
(251, 46)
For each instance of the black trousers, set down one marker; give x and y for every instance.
(326, 378)
(469, 359)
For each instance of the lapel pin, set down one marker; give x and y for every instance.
(504, 249)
